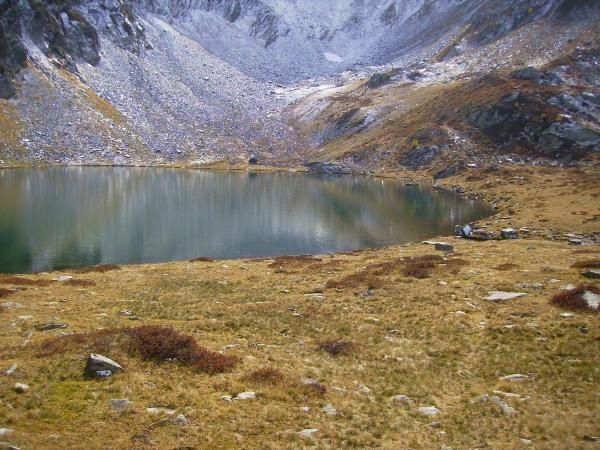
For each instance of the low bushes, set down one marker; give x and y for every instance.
(575, 299)
(150, 342)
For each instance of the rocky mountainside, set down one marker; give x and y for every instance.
(165, 81)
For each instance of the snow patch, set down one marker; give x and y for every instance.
(333, 57)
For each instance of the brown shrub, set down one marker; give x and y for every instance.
(362, 278)
(201, 259)
(98, 268)
(22, 281)
(150, 342)
(314, 389)
(5, 292)
(421, 266)
(338, 347)
(506, 266)
(165, 343)
(573, 298)
(587, 264)
(99, 341)
(265, 376)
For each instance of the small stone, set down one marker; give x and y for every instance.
(227, 398)
(99, 366)
(160, 410)
(592, 299)
(181, 420)
(506, 409)
(575, 241)
(51, 326)
(21, 387)
(120, 404)
(509, 233)
(514, 377)
(11, 369)
(308, 432)
(526, 441)
(401, 399)
(566, 314)
(329, 409)
(63, 278)
(4, 431)
(589, 438)
(428, 410)
(496, 296)
(364, 389)
(245, 396)
(591, 273)
(305, 409)
(444, 247)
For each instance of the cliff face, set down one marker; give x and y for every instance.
(150, 81)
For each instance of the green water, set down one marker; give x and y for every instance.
(68, 217)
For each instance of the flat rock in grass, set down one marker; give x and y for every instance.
(160, 410)
(4, 431)
(120, 404)
(499, 296)
(308, 432)
(11, 369)
(428, 410)
(99, 366)
(514, 377)
(180, 420)
(51, 326)
(399, 399)
(245, 396)
(592, 300)
(591, 273)
(63, 278)
(329, 409)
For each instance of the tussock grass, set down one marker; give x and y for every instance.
(265, 376)
(338, 347)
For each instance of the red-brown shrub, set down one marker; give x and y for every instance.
(573, 298)
(587, 264)
(165, 343)
(265, 375)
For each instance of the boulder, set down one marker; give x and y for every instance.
(444, 247)
(428, 410)
(253, 160)
(482, 235)
(51, 326)
(99, 366)
(591, 273)
(509, 233)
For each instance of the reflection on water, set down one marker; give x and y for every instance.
(67, 217)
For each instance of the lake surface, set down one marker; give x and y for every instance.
(60, 218)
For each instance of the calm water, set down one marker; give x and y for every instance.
(67, 217)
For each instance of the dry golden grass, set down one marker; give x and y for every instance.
(434, 339)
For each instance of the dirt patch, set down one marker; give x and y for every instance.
(22, 281)
(338, 347)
